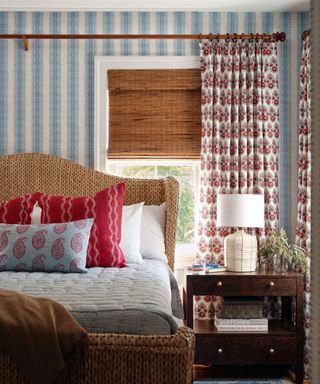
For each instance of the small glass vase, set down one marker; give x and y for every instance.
(268, 264)
(278, 263)
(274, 263)
(281, 265)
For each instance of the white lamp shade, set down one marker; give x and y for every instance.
(240, 210)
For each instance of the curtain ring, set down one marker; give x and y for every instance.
(234, 39)
(251, 39)
(227, 39)
(210, 37)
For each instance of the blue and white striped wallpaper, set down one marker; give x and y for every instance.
(46, 94)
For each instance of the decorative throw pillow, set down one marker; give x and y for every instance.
(130, 232)
(58, 247)
(18, 210)
(105, 207)
(152, 232)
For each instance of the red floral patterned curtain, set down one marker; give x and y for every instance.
(240, 132)
(303, 229)
(240, 137)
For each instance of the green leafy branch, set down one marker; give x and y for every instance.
(277, 250)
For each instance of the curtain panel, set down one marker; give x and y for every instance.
(303, 228)
(240, 138)
(240, 133)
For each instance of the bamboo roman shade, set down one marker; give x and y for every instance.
(154, 113)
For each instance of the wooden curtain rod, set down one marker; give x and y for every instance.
(306, 33)
(274, 37)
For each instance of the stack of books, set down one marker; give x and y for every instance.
(214, 268)
(241, 314)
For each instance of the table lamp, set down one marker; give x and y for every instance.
(240, 211)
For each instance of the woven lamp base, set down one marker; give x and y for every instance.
(240, 251)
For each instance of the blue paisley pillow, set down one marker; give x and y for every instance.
(60, 247)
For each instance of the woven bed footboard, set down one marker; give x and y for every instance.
(123, 359)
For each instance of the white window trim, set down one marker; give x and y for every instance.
(101, 101)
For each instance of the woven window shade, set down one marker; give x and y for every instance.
(154, 113)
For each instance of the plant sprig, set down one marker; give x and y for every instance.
(292, 256)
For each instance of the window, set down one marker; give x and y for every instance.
(172, 150)
(187, 172)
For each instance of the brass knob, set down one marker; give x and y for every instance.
(271, 284)
(219, 283)
(220, 350)
(271, 350)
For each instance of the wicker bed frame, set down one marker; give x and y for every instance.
(111, 358)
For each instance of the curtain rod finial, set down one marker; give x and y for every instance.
(305, 34)
(25, 43)
(280, 36)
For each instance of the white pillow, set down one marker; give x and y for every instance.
(152, 232)
(130, 232)
(36, 214)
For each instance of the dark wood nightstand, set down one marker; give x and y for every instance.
(281, 345)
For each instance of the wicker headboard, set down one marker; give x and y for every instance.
(31, 172)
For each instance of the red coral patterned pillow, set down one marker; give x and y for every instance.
(105, 207)
(18, 210)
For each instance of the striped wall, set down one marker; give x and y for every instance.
(46, 94)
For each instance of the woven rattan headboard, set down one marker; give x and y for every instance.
(30, 172)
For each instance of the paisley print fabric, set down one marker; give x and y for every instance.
(39, 247)
(240, 138)
(105, 207)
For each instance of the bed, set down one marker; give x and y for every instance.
(111, 357)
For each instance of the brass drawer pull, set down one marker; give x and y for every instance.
(271, 284)
(219, 283)
(220, 351)
(271, 350)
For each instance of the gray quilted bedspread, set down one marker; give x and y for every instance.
(140, 299)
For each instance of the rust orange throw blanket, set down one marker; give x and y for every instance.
(37, 333)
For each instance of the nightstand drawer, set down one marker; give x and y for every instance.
(245, 349)
(244, 286)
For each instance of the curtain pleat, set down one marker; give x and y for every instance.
(303, 228)
(303, 231)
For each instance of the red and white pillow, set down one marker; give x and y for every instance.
(18, 210)
(105, 207)
(105, 249)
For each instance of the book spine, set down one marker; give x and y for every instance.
(243, 328)
(241, 312)
(222, 321)
(217, 269)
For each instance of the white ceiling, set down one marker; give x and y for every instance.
(157, 5)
